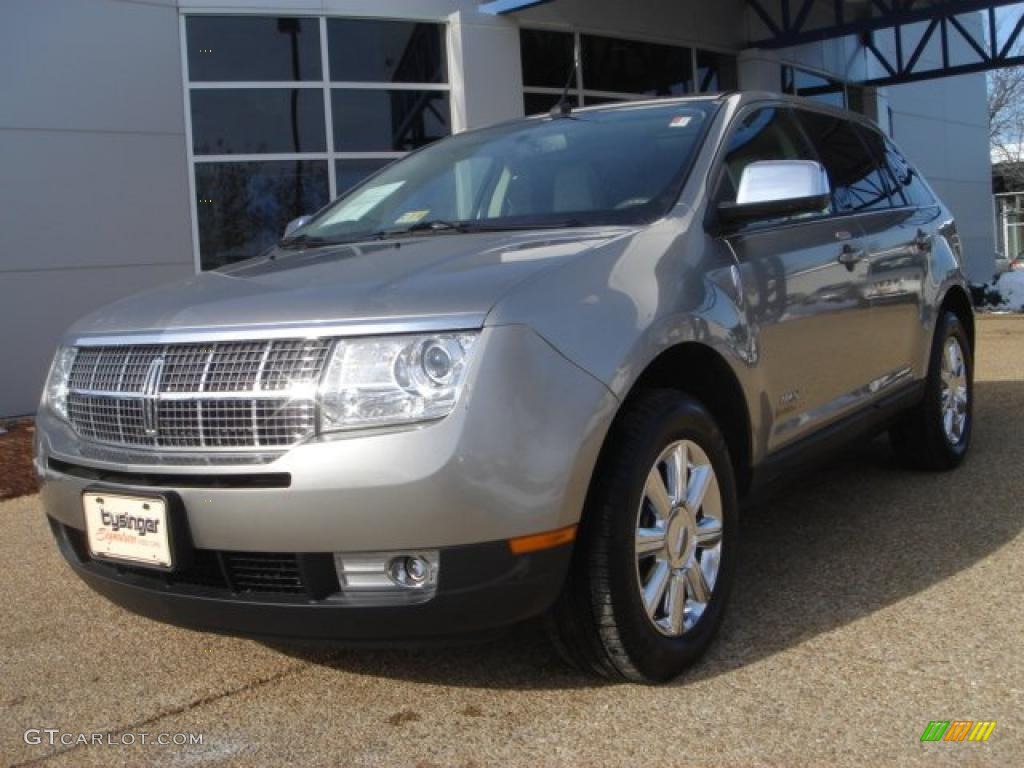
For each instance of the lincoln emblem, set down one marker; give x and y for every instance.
(151, 396)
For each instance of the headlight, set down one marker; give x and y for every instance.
(56, 392)
(393, 380)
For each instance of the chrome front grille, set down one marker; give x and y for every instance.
(222, 395)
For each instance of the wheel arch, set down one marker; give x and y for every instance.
(958, 302)
(701, 372)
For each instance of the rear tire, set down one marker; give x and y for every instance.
(655, 559)
(936, 433)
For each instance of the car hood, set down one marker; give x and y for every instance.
(433, 281)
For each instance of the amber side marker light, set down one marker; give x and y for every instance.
(535, 542)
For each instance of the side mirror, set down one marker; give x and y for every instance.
(296, 224)
(772, 189)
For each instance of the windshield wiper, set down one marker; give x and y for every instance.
(304, 241)
(525, 227)
(434, 225)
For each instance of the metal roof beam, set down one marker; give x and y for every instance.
(786, 30)
(500, 7)
(990, 54)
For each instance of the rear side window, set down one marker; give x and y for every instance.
(908, 181)
(875, 143)
(858, 182)
(769, 133)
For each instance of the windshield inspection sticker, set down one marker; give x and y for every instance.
(363, 203)
(411, 217)
(680, 121)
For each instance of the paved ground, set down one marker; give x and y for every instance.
(869, 602)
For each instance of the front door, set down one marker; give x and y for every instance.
(802, 278)
(809, 316)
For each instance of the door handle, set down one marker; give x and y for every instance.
(850, 255)
(923, 241)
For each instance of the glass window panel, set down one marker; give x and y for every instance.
(716, 72)
(627, 66)
(875, 143)
(253, 48)
(365, 50)
(243, 207)
(253, 121)
(856, 99)
(615, 166)
(908, 180)
(809, 85)
(592, 101)
(857, 182)
(547, 58)
(388, 121)
(348, 173)
(764, 134)
(539, 103)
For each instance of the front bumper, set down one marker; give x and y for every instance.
(482, 587)
(515, 458)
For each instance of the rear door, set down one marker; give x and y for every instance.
(805, 305)
(893, 265)
(915, 227)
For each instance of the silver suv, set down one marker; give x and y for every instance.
(531, 369)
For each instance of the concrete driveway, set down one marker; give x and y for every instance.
(870, 601)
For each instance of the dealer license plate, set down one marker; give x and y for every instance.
(129, 528)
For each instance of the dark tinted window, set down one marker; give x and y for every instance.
(348, 173)
(546, 57)
(253, 48)
(538, 103)
(388, 121)
(592, 101)
(258, 120)
(906, 177)
(386, 51)
(857, 182)
(857, 99)
(716, 72)
(243, 207)
(627, 66)
(765, 134)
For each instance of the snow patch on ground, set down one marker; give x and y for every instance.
(1010, 286)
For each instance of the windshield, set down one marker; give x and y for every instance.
(621, 166)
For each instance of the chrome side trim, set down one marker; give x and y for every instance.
(845, 403)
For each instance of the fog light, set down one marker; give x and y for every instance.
(387, 578)
(409, 571)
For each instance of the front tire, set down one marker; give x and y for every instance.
(936, 433)
(655, 559)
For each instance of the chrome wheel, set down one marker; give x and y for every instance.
(678, 538)
(954, 391)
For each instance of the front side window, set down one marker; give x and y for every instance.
(856, 179)
(616, 167)
(769, 133)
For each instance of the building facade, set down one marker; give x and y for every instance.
(143, 140)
